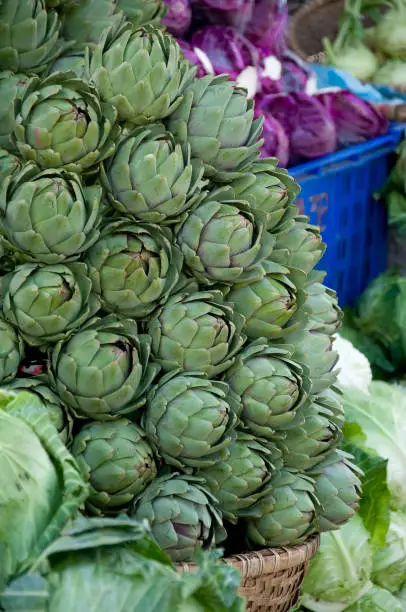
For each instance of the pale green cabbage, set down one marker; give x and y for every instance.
(40, 484)
(377, 600)
(339, 574)
(377, 422)
(389, 563)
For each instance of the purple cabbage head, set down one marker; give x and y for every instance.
(228, 50)
(268, 26)
(236, 13)
(276, 142)
(196, 57)
(307, 123)
(178, 16)
(356, 120)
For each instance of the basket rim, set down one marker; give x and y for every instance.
(297, 17)
(268, 560)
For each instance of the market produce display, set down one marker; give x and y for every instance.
(362, 567)
(370, 43)
(159, 306)
(248, 41)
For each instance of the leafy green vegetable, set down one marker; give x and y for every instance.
(389, 563)
(27, 593)
(377, 422)
(378, 325)
(340, 572)
(376, 600)
(101, 565)
(41, 486)
(375, 500)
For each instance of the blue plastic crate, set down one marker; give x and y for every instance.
(338, 196)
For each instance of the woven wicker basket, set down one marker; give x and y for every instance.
(271, 578)
(314, 21)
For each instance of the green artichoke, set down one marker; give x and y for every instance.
(133, 267)
(103, 371)
(9, 165)
(269, 189)
(322, 305)
(189, 419)
(286, 515)
(58, 415)
(85, 21)
(49, 216)
(267, 304)
(313, 350)
(11, 352)
(237, 480)
(142, 12)
(44, 303)
(61, 123)
(196, 331)
(142, 73)
(271, 387)
(338, 488)
(72, 60)
(223, 240)
(29, 37)
(216, 118)
(12, 87)
(117, 461)
(151, 179)
(312, 434)
(299, 248)
(182, 514)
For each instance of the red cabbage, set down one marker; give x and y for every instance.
(228, 50)
(276, 142)
(236, 13)
(356, 120)
(178, 16)
(310, 129)
(196, 57)
(268, 26)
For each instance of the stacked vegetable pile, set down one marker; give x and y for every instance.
(158, 292)
(371, 42)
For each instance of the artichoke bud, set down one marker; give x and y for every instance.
(287, 514)
(338, 488)
(104, 370)
(117, 461)
(63, 300)
(134, 267)
(183, 515)
(223, 240)
(215, 107)
(238, 479)
(125, 60)
(189, 419)
(196, 331)
(150, 178)
(271, 386)
(61, 123)
(49, 216)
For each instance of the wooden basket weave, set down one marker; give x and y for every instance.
(271, 578)
(316, 20)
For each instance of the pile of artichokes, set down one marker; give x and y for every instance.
(158, 290)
